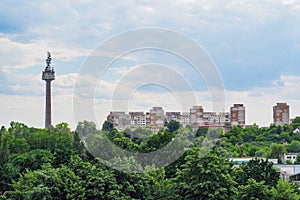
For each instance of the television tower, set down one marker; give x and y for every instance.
(48, 76)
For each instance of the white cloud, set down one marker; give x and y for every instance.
(17, 55)
(290, 81)
(71, 29)
(258, 101)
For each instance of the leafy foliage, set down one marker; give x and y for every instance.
(208, 177)
(258, 170)
(55, 164)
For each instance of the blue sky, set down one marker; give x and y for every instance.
(255, 45)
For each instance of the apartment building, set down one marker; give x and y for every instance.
(138, 119)
(173, 116)
(157, 117)
(237, 115)
(216, 118)
(120, 120)
(281, 114)
(196, 115)
(185, 119)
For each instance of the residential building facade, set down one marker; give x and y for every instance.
(281, 114)
(173, 116)
(156, 118)
(138, 119)
(238, 115)
(196, 115)
(120, 120)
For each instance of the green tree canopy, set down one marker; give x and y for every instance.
(208, 177)
(259, 170)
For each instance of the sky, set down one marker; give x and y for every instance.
(254, 46)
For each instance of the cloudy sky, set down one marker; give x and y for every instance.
(254, 44)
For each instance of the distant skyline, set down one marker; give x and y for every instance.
(255, 45)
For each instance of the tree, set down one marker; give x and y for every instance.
(295, 123)
(173, 125)
(201, 131)
(158, 141)
(4, 149)
(78, 144)
(126, 143)
(259, 170)
(32, 160)
(284, 190)
(62, 127)
(86, 127)
(18, 145)
(294, 147)
(297, 159)
(235, 135)
(256, 191)
(8, 174)
(209, 177)
(48, 183)
(276, 151)
(100, 182)
(107, 126)
(18, 129)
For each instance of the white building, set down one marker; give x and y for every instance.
(289, 157)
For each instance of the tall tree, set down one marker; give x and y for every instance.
(107, 126)
(259, 170)
(294, 146)
(285, 191)
(173, 125)
(256, 191)
(48, 183)
(208, 177)
(86, 127)
(296, 123)
(276, 151)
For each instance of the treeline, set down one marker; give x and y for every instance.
(54, 163)
(268, 142)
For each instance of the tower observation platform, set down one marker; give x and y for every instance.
(48, 76)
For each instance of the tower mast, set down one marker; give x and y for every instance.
(48, 76)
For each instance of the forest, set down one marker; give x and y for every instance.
(59, 163)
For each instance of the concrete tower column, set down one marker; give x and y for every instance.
(48, 105)
(48, 76)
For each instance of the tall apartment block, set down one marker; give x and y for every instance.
(157, 117)
(196, 115)
(237, 115)
(281, 114)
